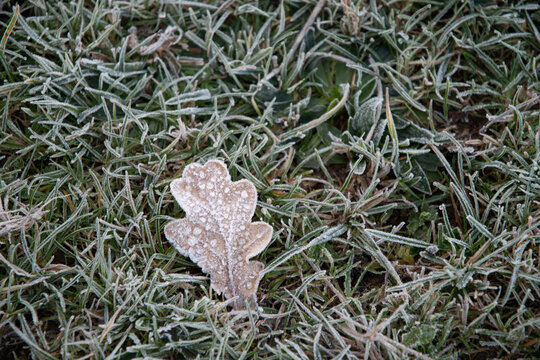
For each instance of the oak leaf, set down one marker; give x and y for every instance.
(217, 232)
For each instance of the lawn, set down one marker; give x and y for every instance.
(394, 147)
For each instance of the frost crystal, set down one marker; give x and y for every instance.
(217, 232)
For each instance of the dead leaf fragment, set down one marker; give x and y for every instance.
(217, 232)
(10, 223)
(164, 40)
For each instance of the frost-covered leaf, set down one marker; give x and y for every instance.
(420, 335)
(420, 180)
(409, 130)
(217, 232)
(365, 116)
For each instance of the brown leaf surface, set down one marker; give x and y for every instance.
(217, 232)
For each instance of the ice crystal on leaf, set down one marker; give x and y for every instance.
(217, 232)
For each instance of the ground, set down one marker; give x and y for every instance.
(394, 147)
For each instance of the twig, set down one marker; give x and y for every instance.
(303, 32)
(297, 42)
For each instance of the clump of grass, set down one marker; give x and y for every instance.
(395, 148)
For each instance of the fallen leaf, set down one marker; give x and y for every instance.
(217, 232)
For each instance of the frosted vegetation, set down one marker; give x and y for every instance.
(392, 146)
